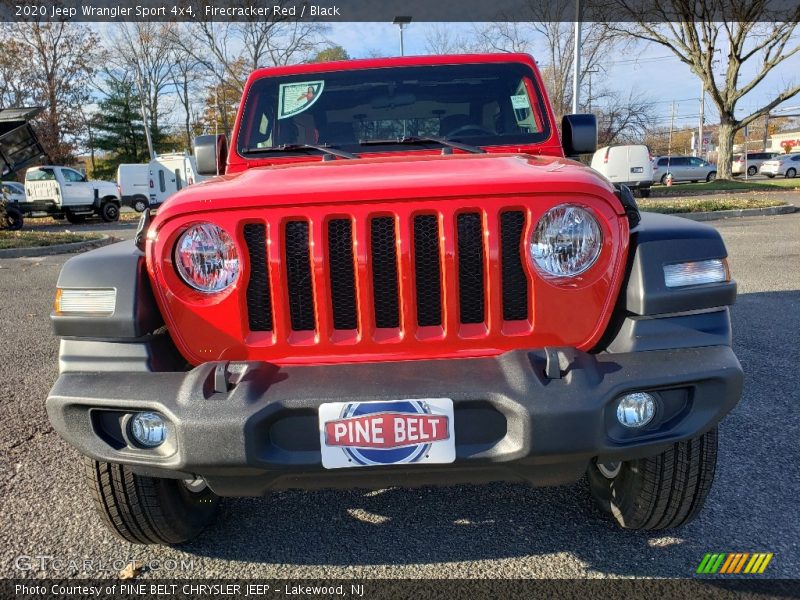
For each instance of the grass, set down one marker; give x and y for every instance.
(760, 185)
(124, 217)
(709, 205)
(33, 239)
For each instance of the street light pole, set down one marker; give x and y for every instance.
(401, 22)
(576, 63)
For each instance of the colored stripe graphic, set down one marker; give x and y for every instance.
(726, 563)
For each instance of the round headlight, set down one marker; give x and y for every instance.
(566, 241)
(206, 258)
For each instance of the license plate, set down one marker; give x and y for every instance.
(392, 432)
(637, 169)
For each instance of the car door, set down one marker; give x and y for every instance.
(679, 167)
(695, 169)
(76, 190)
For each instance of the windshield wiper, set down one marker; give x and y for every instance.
(300, 148)
(422, 139)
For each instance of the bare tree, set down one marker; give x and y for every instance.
(186, 74)
(546, 23)
(721, 42)
(145, 49)
(441, 39)
(624, 119)
(228, 51)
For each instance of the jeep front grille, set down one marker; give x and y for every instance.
(388, 273)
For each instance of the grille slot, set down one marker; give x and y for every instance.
(259, 305)
(342, 274)
(515, 283)
(427, 268)
(470, 268)
(298, 277)
(384, 272)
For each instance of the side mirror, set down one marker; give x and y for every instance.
(578, 134)
(211, 154)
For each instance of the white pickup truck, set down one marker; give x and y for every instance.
(64, 192)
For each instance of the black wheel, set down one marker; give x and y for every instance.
(149, 510)
(109, 211)
(751, 171)
(694, 180)
(664, 179)
(139, 204)
(13, 219)
(75, 219)
(660, 492)
(644, 192)
(711, 176)
(791, 172)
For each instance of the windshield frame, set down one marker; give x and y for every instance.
(529, 75)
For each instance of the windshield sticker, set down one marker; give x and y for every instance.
(294, 98)
(520, 101)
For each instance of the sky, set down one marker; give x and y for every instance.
(651, 70)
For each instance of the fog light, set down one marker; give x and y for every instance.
(148, 429)
(636, 410)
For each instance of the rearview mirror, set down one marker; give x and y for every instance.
(211, 154)
(578, 134)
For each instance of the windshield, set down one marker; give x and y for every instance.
(481, 104)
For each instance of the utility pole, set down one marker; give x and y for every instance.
(702, 119)
(589, 73)
(576, 63)
(669, 143)
(766, 130)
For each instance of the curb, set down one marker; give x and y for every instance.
(737, 212)
(55, 248)
(700, 193)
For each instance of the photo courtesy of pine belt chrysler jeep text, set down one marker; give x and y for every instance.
(398, 278)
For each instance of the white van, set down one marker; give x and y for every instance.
(170, 173)
(133, 183)
(628, 165)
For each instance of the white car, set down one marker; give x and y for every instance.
(787, 165)
(13, 191)
(65, 192)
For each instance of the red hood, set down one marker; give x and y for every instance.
(392, 178)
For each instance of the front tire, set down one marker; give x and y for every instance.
(711, 177)
(148, 510)
(660, 492)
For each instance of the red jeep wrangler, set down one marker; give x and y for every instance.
(397, 279)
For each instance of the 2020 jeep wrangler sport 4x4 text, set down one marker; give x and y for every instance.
(397, 279)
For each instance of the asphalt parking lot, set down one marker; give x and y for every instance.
(490, 531)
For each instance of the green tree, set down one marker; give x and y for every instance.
(118, 127)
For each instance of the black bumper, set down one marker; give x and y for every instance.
(512, 422)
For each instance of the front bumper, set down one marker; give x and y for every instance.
(512, 422)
